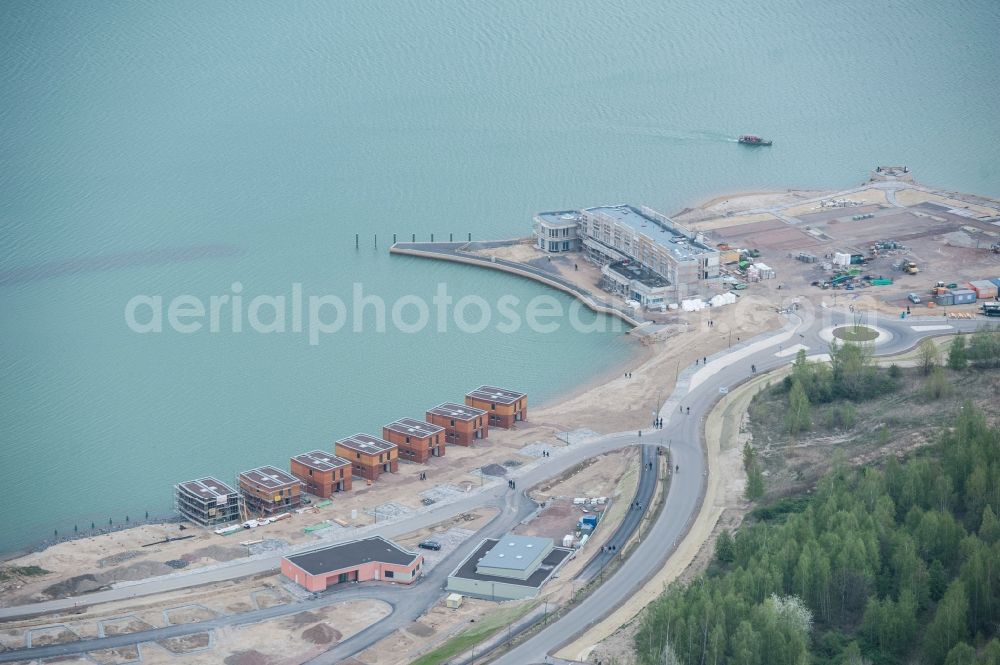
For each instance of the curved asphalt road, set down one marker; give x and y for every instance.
(644, 495)
(407, 602)
(696, 388)
(700, 390)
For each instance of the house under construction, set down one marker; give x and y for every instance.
(207, 501)
(268, 490)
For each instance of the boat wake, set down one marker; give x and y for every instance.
(700, 136)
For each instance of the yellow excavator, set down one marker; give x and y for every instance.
(911, 268)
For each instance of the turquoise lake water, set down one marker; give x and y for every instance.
(177, 147)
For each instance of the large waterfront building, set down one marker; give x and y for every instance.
(557, 231)
(644, 255)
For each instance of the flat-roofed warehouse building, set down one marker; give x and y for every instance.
(207, 501)
(505, 407)
(463, 425)
(417, 440)
(323, 473)
(510, 568)
(357, 561)
(623, 233)
(267, 490)
(369, 455)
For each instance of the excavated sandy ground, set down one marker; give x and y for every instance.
(614, 475)
(288, 639)
(292, 639)
(727, 204)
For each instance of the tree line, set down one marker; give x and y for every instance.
(879, 566)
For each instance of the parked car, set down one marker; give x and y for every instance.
(914, 298)
(430, 545)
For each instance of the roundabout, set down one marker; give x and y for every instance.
(856, 334)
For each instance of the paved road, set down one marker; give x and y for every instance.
(410, 606)
(644, 491)
(407, 602)
(369, 590)
(560, 461)
(699, 390)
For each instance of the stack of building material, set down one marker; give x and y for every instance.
(693, 305)
(841, 259)
(721, 299)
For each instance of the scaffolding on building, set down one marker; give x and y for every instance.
(207, 502)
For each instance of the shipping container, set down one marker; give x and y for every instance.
(984, 288)
(996, 282)
(944, 299)
(964, 296)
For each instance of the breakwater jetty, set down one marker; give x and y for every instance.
(462, 252)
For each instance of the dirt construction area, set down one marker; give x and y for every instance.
(292, 638)
(948, 236)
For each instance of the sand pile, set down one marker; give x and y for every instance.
(251, 657)
(305, 618)
(321, 633)
(73, 586)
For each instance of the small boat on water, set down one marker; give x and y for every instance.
(750, 139)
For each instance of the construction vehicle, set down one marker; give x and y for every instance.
(941, 287)
(995, 248)
(911, 268)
